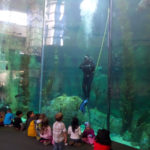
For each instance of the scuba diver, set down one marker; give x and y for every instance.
(88, 67)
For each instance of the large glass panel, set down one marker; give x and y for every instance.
(20, 50)
(74, 29)
(130, 72)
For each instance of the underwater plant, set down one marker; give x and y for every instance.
(141, 125)
(34, 71)
(25, 61)
(11, 87)
(127, 103)
(46, 92)
(99, 90)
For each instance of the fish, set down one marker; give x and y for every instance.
(19, 95)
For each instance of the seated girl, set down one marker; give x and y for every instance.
(31, 130)
(102, 140)
(45, 133)
(74, 132)
(38, 124)
(88, 135)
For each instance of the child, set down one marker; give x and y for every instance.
(88, 135)
(74, 132)
(17, 121)
(8, 120)
(37, 128)
(38, 125)
(31, 131)
(2, 116)
(102, 140)
(59, 132)
(45, 133)
(29, 113)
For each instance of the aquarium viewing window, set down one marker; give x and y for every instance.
(15, 17)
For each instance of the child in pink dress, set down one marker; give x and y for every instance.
(88, 135)
(45, 133)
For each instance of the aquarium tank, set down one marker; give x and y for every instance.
(43, 44)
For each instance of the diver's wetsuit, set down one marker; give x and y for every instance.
(88, 68)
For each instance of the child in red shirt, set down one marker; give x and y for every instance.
(102, 140)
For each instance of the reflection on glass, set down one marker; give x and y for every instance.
(15, 17)
(54, 22)
(61, 42)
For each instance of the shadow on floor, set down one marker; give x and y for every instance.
(17, 140)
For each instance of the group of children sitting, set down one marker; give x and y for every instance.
(38, 126)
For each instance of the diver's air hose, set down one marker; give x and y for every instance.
(103, 40)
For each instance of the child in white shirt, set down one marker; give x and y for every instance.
(59, 132)
(74, 132)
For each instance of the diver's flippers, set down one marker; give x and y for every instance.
(83, 104)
